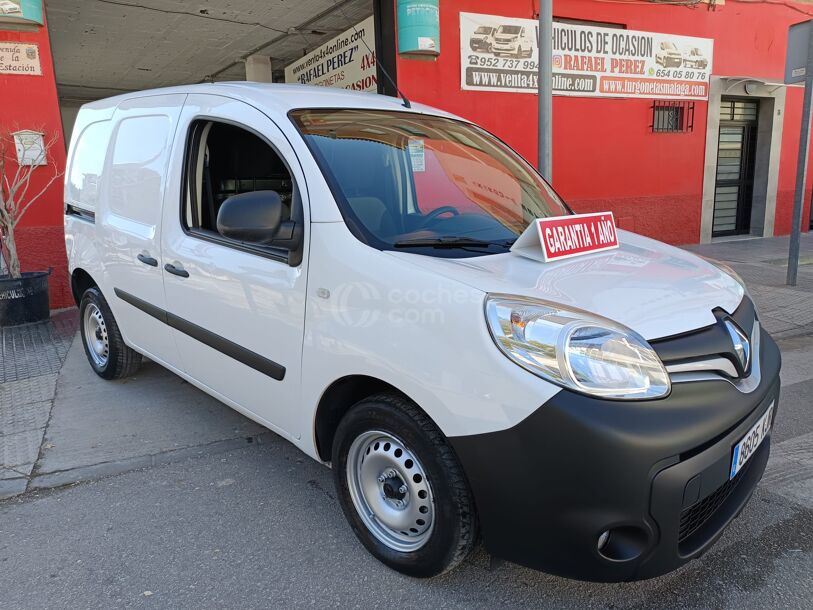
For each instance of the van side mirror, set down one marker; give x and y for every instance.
(253, 217)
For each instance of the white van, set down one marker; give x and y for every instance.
(341, 268)
(482, 39)
(515, 40)
(668, 55)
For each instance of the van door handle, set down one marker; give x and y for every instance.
(176, 271)
(147, 260)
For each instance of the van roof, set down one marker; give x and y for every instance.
(278, 97)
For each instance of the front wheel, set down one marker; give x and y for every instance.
(402, 488)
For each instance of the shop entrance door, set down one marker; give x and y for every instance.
(736, 151)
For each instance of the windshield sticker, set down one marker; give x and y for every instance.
(417, 155)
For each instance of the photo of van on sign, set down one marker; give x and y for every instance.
(7, 7)
(404, 298)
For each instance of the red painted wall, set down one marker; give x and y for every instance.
(30, 102)
(605, 157)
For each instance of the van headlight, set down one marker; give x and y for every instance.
(576, 349)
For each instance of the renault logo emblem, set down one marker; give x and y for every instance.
(742, 348)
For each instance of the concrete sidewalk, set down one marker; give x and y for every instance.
(97, 429)
(31, 358)
(60, 423)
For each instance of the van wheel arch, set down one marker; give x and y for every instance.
(81, 280)
(337, 400)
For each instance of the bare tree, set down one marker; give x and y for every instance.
(16, 195)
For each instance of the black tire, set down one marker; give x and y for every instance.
(454, 532)
(121, 360)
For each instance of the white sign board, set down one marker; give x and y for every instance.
(20, 58)
(30, 148)
(502, 54)
(345, 62)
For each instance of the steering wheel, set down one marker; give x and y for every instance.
(444, 209)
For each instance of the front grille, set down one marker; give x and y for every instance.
(711, 342)
(696, 516)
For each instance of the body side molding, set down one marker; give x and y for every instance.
(207, 337)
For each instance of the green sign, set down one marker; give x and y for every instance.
(419, 27)
(16, 11)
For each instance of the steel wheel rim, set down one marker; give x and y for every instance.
(96, 339)
(401, 518)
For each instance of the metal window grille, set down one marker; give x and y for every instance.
(738, 110)
(672, 116)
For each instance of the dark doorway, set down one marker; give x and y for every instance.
(736, 151)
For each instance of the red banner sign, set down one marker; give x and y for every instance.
(564, 236)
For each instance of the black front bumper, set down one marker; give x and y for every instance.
(656, 473)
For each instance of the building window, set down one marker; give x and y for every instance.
(672, 116)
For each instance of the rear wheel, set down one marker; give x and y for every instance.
(105, 349)
(402, 488)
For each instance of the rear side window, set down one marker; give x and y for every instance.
(226, 160)
(137, 168)
(84, 178)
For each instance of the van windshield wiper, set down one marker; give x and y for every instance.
(450, 241)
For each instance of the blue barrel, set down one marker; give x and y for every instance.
(419, 27)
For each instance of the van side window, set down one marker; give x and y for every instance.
(86, 168)
(225, 160)
(137, 169)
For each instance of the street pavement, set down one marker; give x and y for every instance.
(146, 492)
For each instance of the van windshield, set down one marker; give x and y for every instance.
(483, 29)
(425, 183)
(513, 30)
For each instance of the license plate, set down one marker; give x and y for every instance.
(750, 442)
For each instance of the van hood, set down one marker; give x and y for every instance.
(655, 289)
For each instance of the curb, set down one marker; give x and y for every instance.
(83, 474)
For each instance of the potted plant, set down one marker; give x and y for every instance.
(23, 155)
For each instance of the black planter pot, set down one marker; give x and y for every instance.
(24, 300)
